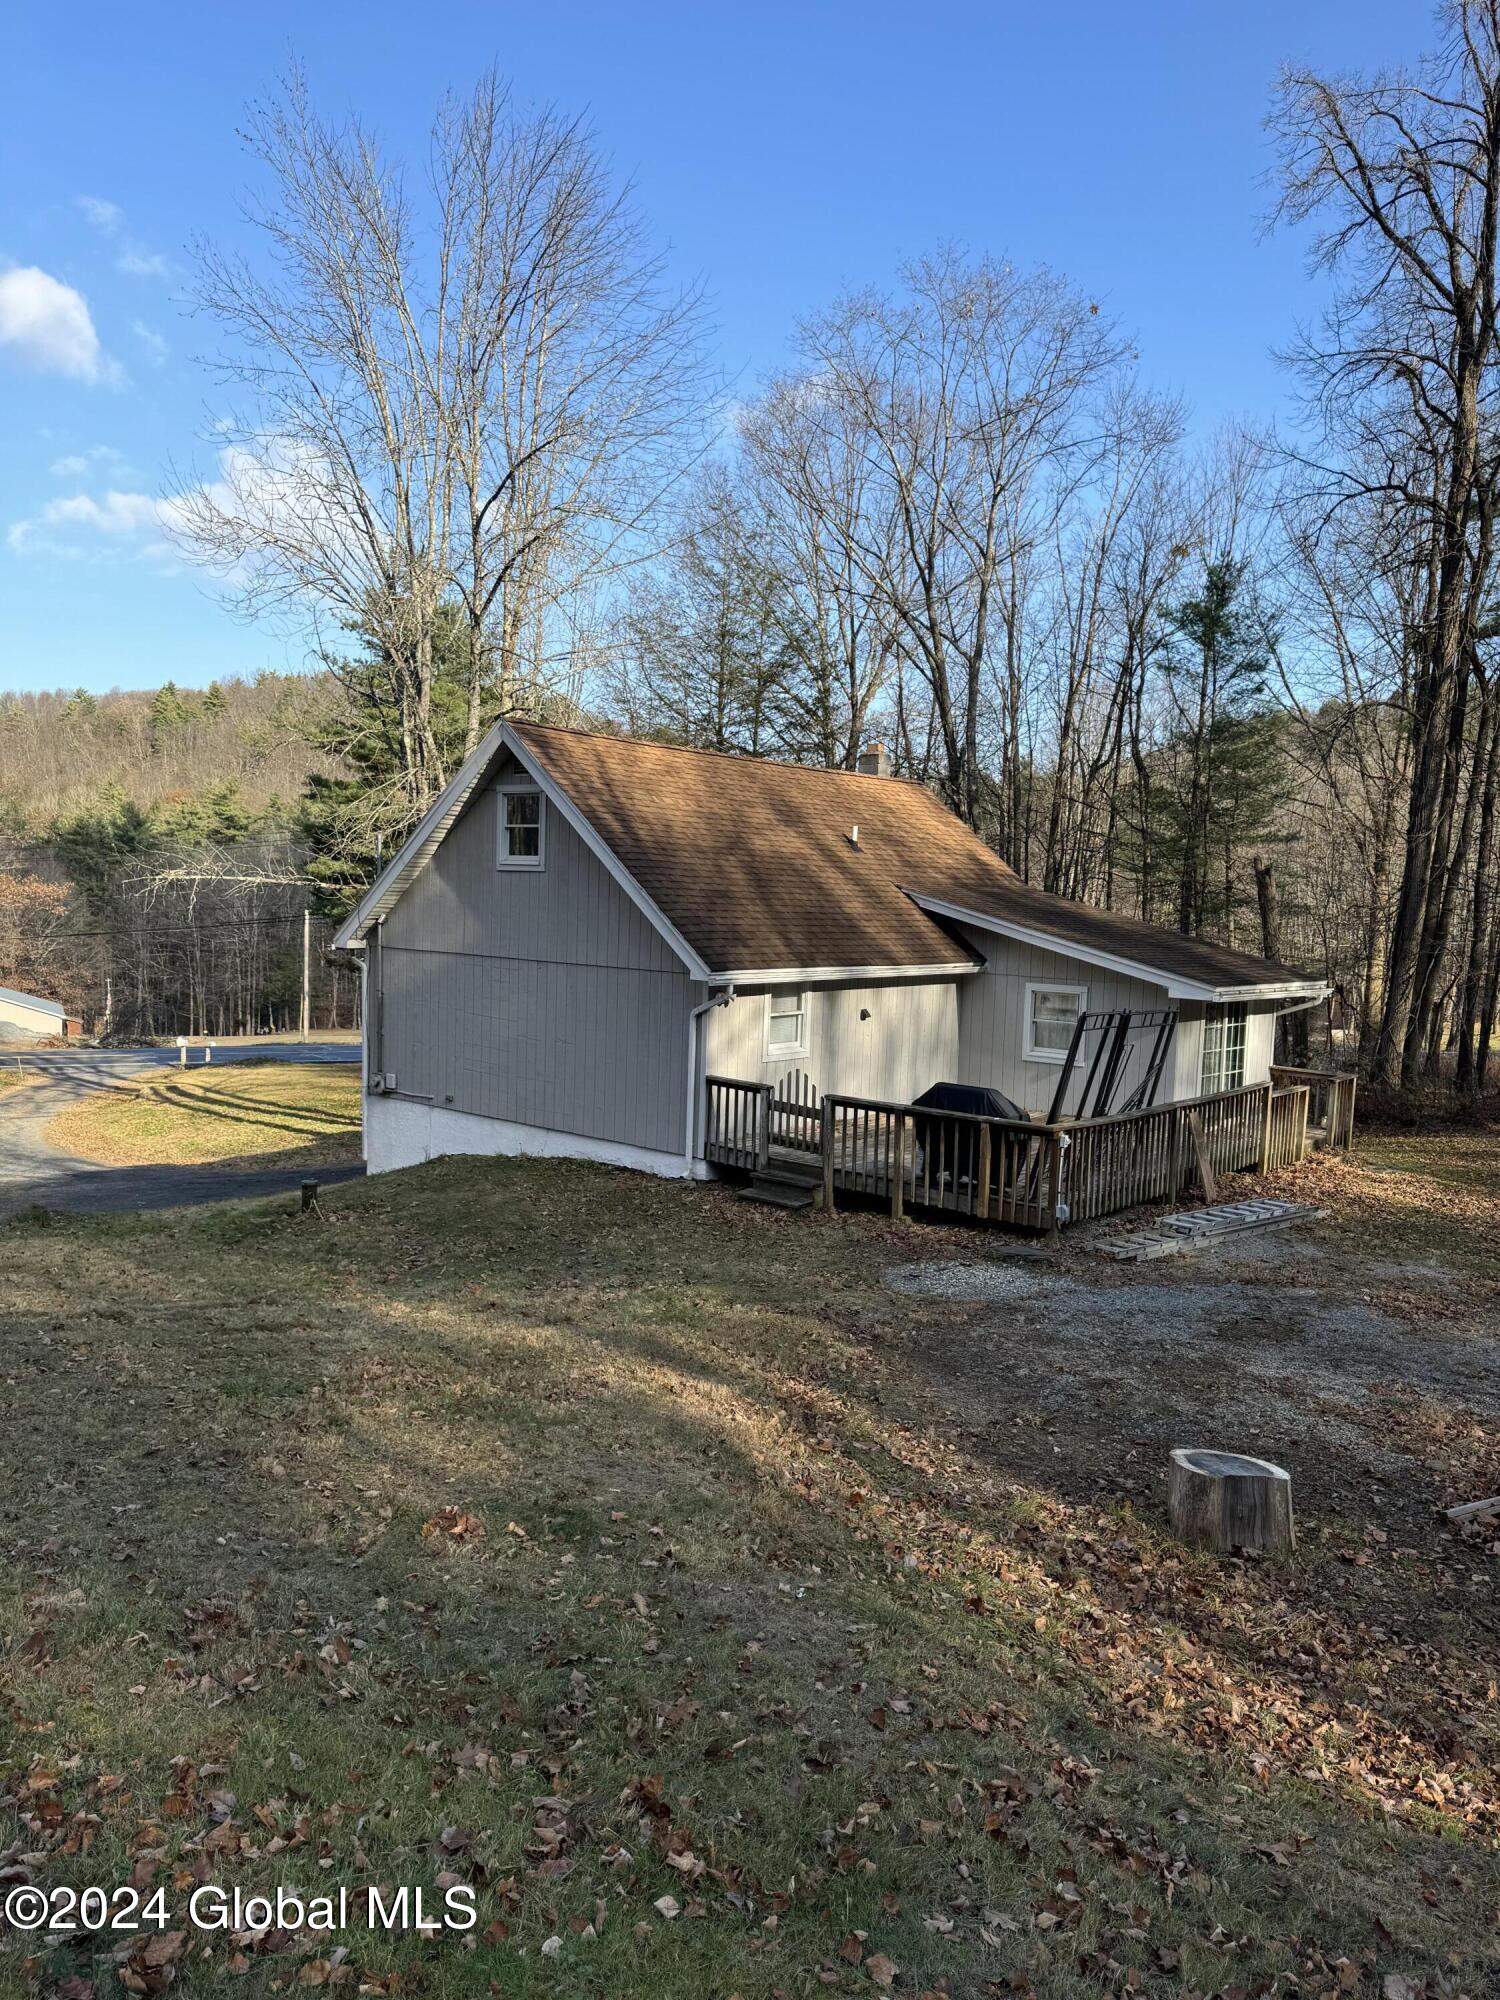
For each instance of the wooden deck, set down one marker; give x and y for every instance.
(1030, 1175)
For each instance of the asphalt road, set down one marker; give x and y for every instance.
(34, 1172)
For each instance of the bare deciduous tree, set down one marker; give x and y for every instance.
(470, 399)
(1403, 175)
(962, 394)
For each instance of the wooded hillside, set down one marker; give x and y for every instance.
(151, 864)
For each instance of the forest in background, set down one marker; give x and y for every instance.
(1246, 687)
(152, 863)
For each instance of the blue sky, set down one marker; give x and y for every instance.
(779, 151)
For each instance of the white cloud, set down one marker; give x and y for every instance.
(78, 462)
(136, 263)
(120, 518)
(133, 259)
(115, 514)
(253, 498)
(47, 324)
(103, 214)
(151, 341)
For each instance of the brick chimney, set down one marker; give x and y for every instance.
(874, 761)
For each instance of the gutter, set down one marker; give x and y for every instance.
(720, 999)
(1301, 1006)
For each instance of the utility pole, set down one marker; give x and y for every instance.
(306, 962)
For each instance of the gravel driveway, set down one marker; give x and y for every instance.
(34, 1172)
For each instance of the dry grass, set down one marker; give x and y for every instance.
(303, 1113)
(1415, 1196)
(603, 1545)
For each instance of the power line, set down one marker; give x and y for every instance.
(128, 934)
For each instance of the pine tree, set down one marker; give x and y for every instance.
(169, 713)
(346, 821)
(1222, 764)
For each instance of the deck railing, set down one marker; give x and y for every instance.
(1030, 1175)
(1331, 1104)
(737, 1123)
(1140, 1156)
(1286, 1126)
(994, 1169)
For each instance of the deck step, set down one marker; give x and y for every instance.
(1196, 1228)
(778, 1193)
(786, 1184)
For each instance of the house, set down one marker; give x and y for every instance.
(584, 929)
(25, 1018)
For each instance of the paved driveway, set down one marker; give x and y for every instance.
(32, 1171)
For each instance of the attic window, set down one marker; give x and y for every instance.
(521, 827)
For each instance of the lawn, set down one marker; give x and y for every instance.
(303, 1113)
(730, 1622)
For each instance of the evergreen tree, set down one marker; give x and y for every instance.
(1222, 766)
(347, 821)
(169, 713)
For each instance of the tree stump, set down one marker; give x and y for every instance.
(1221, 1500)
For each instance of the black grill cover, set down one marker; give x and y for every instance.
(976, 1098)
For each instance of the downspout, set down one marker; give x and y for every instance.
(719, 999)
(375, 999)
(364, 1055)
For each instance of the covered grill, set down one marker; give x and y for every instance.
(977, 1099)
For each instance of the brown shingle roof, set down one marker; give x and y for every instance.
(1107, 931)
(752, 862)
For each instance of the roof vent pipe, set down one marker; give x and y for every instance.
(874, 761)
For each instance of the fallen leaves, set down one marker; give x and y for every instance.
(149, 1964)
(454, 1524)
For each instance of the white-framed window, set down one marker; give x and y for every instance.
(786, 1025)
(523, 826)
(1223, 1047)
(1051, 1016)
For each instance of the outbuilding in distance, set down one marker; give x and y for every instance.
(24, 1017)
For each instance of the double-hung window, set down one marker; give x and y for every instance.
(1051, 1016)
(786, 1025)
(1223, 1047)
(521, 827)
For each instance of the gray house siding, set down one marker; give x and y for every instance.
(992, 1016)
(908, 1041)
(541, 997)
(970, 1030)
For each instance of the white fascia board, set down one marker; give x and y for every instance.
(844, 975)
(1174, 984)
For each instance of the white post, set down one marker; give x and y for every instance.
(306, 950)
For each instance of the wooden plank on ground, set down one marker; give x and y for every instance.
(1200, 1150)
